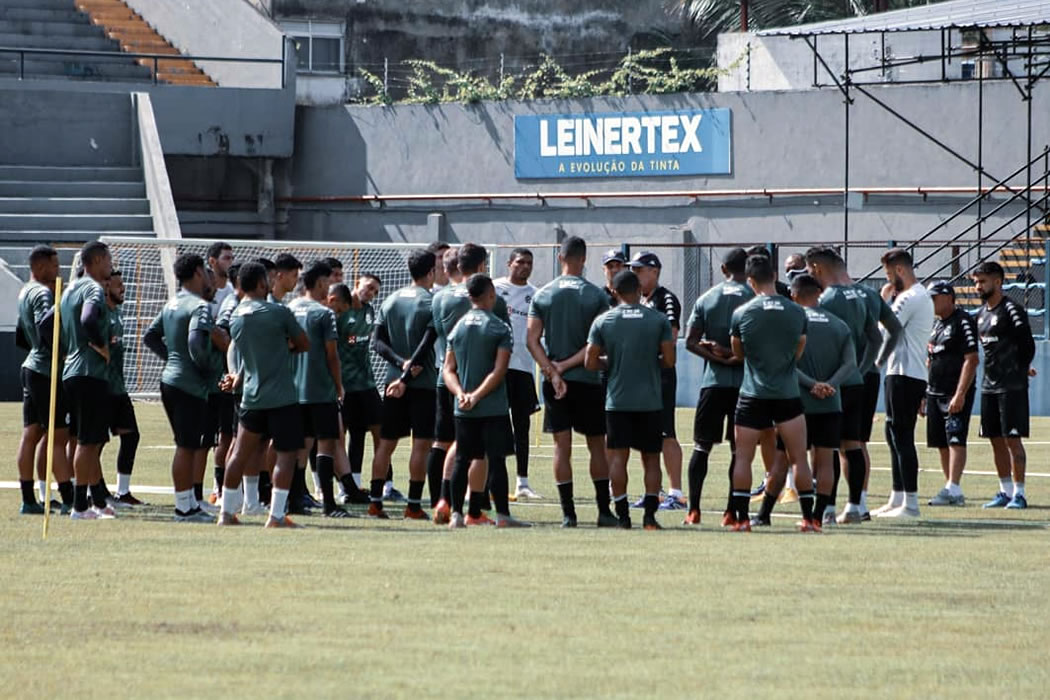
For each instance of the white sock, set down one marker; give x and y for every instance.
(123, 483)
(1006, 485)
(954, 489)
(317, 482)
(677, 493)
(357, 478)
(231, 501)
(340, 492)
(184, 501)
(388, 487)
(896, 499)
(791, 480)
(523, 482)
(251, 491)
(1019, 488)
(41, 488)
(911, 500)
(863, 501)
(278, 503)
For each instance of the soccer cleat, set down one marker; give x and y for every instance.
(284, 522)
(673, 503)
(651, 524)
(298, 507)
(525, 493)
(1001, 500)
(106, 513)
(31, 509)
(866, 518)
(128, 500)
(900, 512)
(640, 503)
(506, 521)
(256, 509)
(829, 518)
(336, 512)
(886, 508)
(357, 497)
(375, 510)
(759, 521)
(393, 495)
(310, 502)
(809, 526)
(227, 519)
(849, 517)
(608, 520)
(193, 516)
(742, 526)
(788, 495)
(693, 518)
(944, 497)
(759, 491)
(213, 498)
(568, 521)
(66, 509)
(456, 521)
(728, 519)
(442, 512)
(115, 503)
(1018, 502)
(208, 508)
(88, 514)
(415, 514)
(480, 520)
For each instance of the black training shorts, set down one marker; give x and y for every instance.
(222, 409)
(321, 420)
(761, 414)
(122, 415)
(89, 408)
(634, 430)
(362, 409)
(669, 392)
(945, 429)
(283, 425)
(822, 430)
(36, 401)
(1004, 415)
(444, 415)
(853, 411)
(411, 414)
(715, 413)
(521, 392)
(581, 409)
(485, 437)
(187, 415)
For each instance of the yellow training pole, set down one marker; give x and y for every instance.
(50, 434)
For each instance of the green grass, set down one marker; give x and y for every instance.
(954, 604)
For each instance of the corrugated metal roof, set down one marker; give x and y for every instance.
(938, 15)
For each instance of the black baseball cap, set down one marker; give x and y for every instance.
(614, 254)
(942, 288)
(645, 258)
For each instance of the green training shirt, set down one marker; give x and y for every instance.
(313, 381)
(407, 315)
(81, 360)
(769, 328)
(355, 334)
(567, 306)
(449, 305)
(712, 315)
(475, 341)
(261, 330)
(851, 307)
(827, 339)
(34, 302)
(115, 337)
(185, 313)
(630, 336)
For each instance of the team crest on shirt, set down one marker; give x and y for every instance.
(410, 293)
(632, 313)
(569, 284)
(772, 305)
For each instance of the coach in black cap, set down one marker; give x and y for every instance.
(647, 266)
(613, 261)
(950, 390)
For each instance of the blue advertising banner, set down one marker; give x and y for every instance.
(623, 144)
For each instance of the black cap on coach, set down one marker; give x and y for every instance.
(645, 258)
(942, 288)
(614, 255)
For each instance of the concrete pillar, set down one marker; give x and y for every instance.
(437, 230)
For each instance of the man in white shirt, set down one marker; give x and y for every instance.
(905, 380)
(220, 257)
(521, 381)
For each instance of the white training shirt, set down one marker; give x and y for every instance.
(518, 298)
(220, 295)
(914, 309)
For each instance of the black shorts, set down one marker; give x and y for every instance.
(89, 409)
(581, 409)
(320, 420)
(362, 409)
(36, 401)
(187, 415)
(222, 408)
(521, 392)
(872, 383)
(444, 415)
(1004, 415)
(853, 410)
(760, 414)
(283, 425)
(823, 430)
(715, 413)
(669, 391)
(487, 437)
(122, 415)
(637, 430)
(412, 414)
(944, 429)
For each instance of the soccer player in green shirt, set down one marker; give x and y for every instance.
(285, 277)
(634, 343)
(561, 315)
(85, 376)
(475, 370)
(768, 335)
(181, 335)
(35, 333)
(404, 337)
(319, 380)
(265, 334)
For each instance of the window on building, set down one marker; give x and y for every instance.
(319, 45)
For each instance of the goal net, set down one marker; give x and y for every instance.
(146, 268)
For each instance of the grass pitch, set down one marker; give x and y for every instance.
(952, 605)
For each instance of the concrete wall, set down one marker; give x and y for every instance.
(222, 28)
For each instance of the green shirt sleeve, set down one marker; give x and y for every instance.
(506, 341)
(594, 336)
(292, 329)
(665, 332)
(696, 319)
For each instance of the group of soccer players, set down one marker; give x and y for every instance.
(268, 366)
